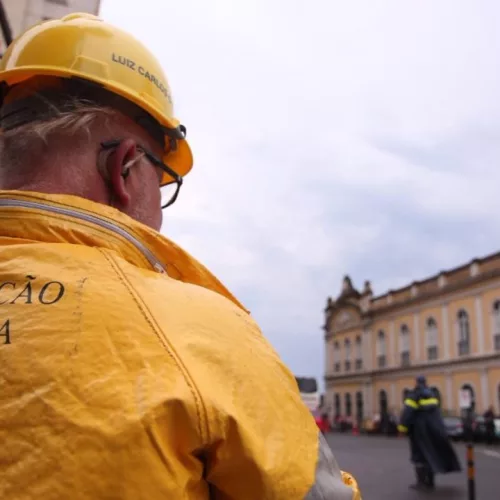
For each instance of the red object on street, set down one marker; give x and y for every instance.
(322, 423)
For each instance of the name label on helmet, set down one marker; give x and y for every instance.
(129, 63)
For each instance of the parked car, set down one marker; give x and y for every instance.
(454, 427)
(479, 429)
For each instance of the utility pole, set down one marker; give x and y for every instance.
(467, 406)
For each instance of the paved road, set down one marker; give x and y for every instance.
(381, 466)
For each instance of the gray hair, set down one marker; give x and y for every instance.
(68, 129)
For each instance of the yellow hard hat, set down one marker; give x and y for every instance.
(81, 47)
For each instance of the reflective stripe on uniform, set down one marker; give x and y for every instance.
(428, 402)
(411, 403)
(402, 428)
(329, 481)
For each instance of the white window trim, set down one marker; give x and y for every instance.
(348, 350)
(336, 354)
(381, 345)
(359, 348)
(405, 339)
(431, 334)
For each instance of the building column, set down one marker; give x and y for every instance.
(367, 350)
(368, 399)
(479, 325)
(446, 331)
(485, 395)
(449, 392)
(392, 402)
(391, 355)
(416, 338)
(327, 358)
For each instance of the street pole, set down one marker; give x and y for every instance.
(471, 471)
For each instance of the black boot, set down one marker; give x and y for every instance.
(421, 473)
(429, 478)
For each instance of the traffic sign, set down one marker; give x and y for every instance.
(464, 399)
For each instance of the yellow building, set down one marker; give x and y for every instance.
(446, 327)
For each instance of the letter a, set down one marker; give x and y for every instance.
(5, 331)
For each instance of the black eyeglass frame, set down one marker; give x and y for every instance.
(178, 180)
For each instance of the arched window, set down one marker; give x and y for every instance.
(381, 349)
(383, 402)
(431, 337)
(463, 333)
(348, 354)
(337, 405)
(336, 357)
(405, 345)
(359, 353)
(348, 404)
(496, 325)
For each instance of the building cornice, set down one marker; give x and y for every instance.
(446, 295)
(463, 362)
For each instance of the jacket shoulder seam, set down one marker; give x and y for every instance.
(201, 411)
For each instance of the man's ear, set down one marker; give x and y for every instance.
(115, 165)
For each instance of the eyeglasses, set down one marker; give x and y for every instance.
(169, 191)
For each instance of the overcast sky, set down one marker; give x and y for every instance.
(330, 138)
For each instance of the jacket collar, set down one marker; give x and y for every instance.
(70, 219)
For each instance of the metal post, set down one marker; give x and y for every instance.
(471, 473)
(469, 436)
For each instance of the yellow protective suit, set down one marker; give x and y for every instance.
(119, 380)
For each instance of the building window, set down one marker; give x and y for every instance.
(348, 404)
(381, 349)
(405, 345)
(337, 405)
(496, 325)
(58, 2)
(431, 337)
(347, 348)
(359, 407)
(359, 353)
(432, 352)
(463, 333)
(336, 357)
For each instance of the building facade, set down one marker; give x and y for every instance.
(21, 14)
(446, 327)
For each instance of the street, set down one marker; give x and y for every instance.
(383, 471)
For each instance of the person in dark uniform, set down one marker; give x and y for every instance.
(489, 422)
(431, 450)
